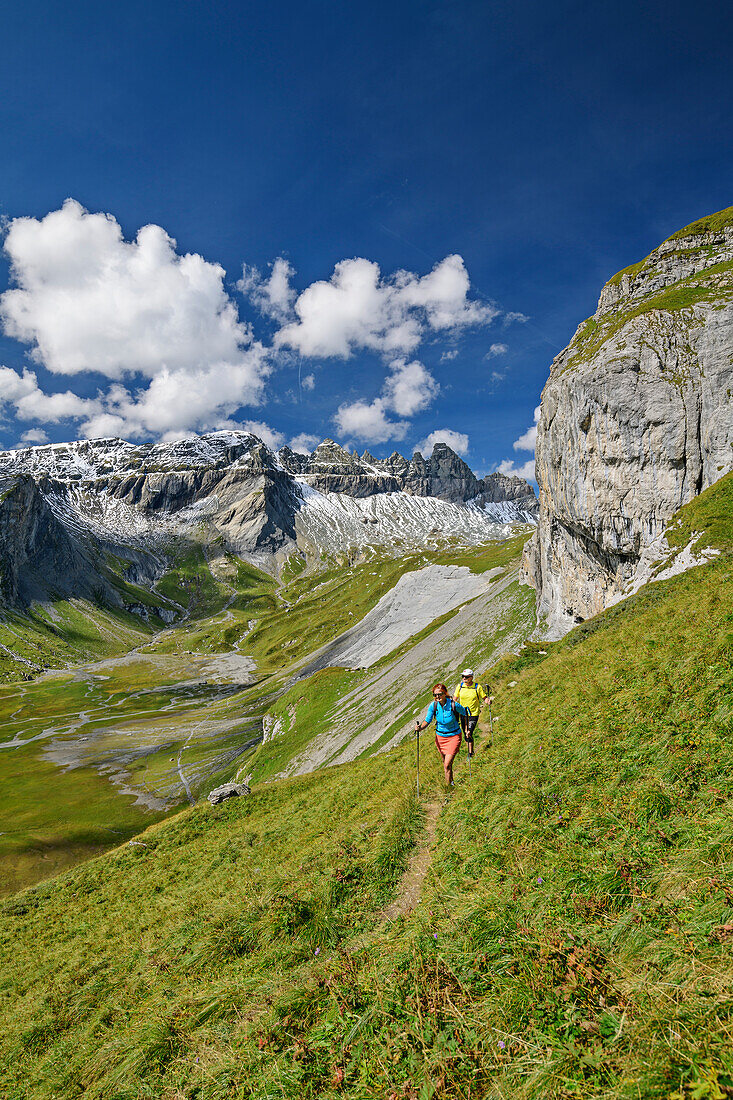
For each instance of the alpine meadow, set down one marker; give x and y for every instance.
(212, 612)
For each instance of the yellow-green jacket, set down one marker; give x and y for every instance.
(470, 697)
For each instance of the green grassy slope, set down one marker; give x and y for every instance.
(574, 937)
(315, 704)
(62, 633)
(150, 720)
(59, 632)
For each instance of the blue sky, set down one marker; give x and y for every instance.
(442, 189)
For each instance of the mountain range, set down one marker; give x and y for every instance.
(69, 511)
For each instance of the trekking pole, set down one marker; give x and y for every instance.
(491, 719)
(417, 731)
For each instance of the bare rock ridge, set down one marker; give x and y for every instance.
(636, 419)
(331, 469)
(84, 502)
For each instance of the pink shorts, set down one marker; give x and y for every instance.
(448, 746)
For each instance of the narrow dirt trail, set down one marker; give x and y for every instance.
(411, 886)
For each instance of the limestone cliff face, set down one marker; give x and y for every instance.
(41, 557)
(637, 418)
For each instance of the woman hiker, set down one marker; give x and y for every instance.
(448, 732)
(472, 696)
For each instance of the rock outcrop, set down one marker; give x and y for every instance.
(34, 545)
(636, 419)
(228, 790)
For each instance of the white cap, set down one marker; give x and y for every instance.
(467, 672)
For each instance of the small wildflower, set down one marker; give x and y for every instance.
(539, 880)
(317, 951)
(501, 1044)
(435, 935)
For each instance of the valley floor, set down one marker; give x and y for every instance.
(94, 753)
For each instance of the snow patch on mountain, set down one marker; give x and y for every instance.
(334, 521)
(90, 459)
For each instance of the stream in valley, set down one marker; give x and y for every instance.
(93, 754)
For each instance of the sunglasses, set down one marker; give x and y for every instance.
(438, 694)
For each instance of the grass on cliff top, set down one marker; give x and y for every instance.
(712, 223)
(574, 937)
(682, 295)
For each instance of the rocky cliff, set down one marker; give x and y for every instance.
(636, 418)
(46, 555)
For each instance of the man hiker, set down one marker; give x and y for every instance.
(446, 713)
(471, 696)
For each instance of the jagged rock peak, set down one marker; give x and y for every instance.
(190, 466)
(445, 475)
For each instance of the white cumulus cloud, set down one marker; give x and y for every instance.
(526, 470)
(368, 420)
(528, 440)
(273, 296)
(159, 349)
(408, 389)
(88, 301)
(359, 309)
(51, 408)
(304, 443)
(33, 437)
(457, 441)
(31, 403)
(269, 436)
(14, 386)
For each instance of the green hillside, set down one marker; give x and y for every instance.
(173, 712)
(573, 936)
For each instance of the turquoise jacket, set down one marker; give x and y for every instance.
(446, 717)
